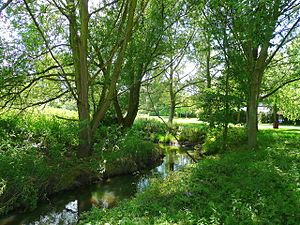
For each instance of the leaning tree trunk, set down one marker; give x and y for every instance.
(133, 104)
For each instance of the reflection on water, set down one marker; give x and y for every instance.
(65, 208)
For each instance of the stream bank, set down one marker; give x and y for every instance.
(66, 207)
(32, 176)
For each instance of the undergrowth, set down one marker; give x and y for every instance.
(236, 187)
(159, 132)
(38, 157)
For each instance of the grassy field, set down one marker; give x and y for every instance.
(197, 121)
(270, 126)
(176, 120)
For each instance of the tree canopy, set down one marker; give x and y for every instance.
(104, 58)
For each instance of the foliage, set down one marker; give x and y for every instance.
(241, 187)
(157, 131)
(30, 147)
(288, 101)
(119, 144)
(192, 133)
(24, 170)
(213, 143)
(37, 157)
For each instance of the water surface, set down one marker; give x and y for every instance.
(65, 208)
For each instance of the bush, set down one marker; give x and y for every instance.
(37, 157)
(213, 143)
(192, 134)
(32, 150)
(23, 170)
(115, 142)
(156, 131)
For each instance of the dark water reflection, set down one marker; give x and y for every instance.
(65, 208)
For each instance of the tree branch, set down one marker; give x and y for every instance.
(5, 5)
(280, 86)
(46, 101)
(283, 41)
(48, 47)
(106, 5)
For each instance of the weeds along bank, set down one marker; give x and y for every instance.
(234, 187)
(186, 133)
(38, 157)
(38, 154)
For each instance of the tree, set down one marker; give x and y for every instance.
(150, 45)
(256, 31)
(145, 47)
(78, 76)
(279, 87)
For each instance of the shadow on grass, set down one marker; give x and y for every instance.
(246, 187)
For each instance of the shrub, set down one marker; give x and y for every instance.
(192, 133)
(213, 143)
(32, 150)
(23, 170)
(157, 131)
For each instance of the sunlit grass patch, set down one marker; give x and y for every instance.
(237, 187)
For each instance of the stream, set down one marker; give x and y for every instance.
(65, 208)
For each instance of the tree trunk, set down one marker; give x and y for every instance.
(118, 110)
(172, 95)
(79, 49)
(226, 112)
(208, 82)
(133, 104)
(238, 118)
(257, 65)
(275, 117)
(252, 112)
(172, 110)
(102, 109)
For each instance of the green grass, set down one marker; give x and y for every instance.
(159, 132)
(270, 126)
(237, 187)
(176, 120)
(38, 157)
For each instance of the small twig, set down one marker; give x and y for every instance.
(64, 118)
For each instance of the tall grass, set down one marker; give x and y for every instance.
(38, 157)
